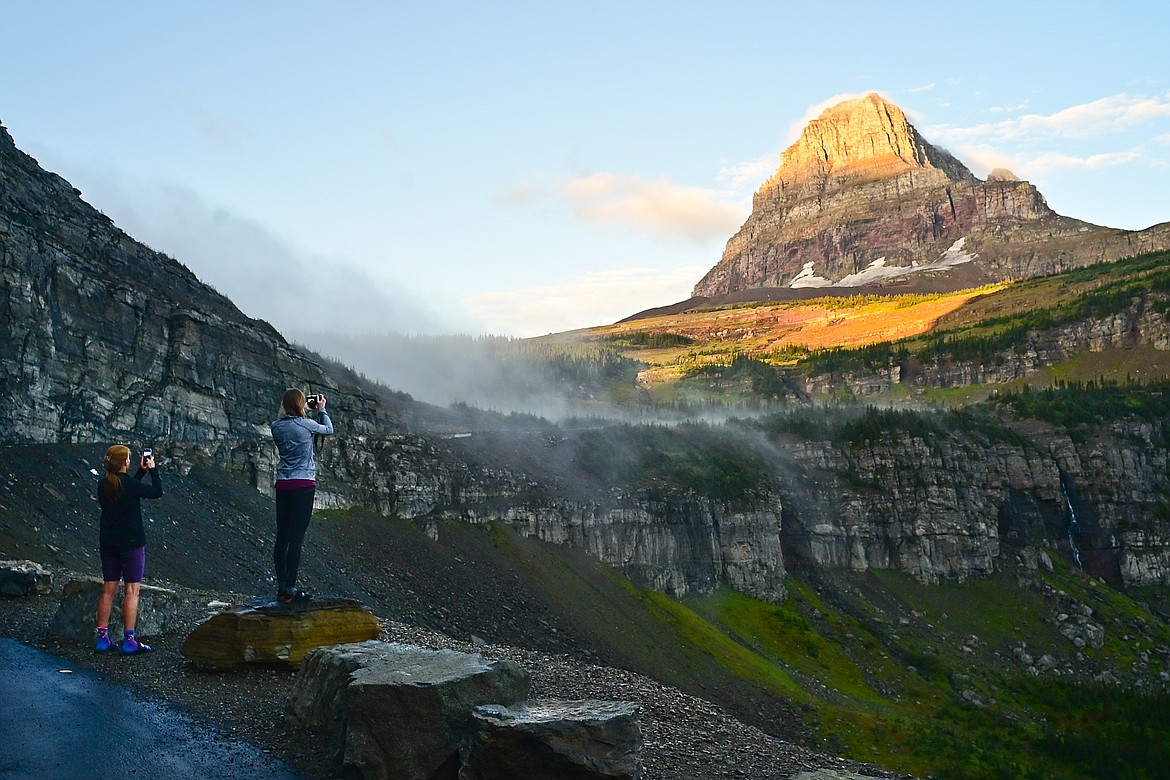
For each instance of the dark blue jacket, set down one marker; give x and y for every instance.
(121, 523)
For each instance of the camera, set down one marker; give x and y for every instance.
(313, 401)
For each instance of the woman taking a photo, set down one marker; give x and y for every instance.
(123, 542)
(296, 485)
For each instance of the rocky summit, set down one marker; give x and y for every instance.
(862, 200)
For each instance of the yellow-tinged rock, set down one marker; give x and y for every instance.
(276, 634)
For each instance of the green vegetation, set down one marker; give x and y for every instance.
(859, 426)
(712, 462)
(764, 381)
(1075, 404)
(648, 339)
(900, 693)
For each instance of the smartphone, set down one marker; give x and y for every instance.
(147, 453)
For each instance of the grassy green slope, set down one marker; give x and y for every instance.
(875, 666)
(925, 679)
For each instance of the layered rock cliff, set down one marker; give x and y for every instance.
(940, 497)
(862, 199)
(105, 338)
(961, 501)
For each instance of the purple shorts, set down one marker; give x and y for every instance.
(128, 566)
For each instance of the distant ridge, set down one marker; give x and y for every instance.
(862, 200)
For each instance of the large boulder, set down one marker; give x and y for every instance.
(568, 740)
(276, 633)
(396, 711)
(76, 614)
(24, 578)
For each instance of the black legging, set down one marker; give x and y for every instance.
(294, 509)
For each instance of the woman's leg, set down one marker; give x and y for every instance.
(111, 576)
(280, 547)
(300, 512)
(130, 606)
(106, 603)
(133, 570)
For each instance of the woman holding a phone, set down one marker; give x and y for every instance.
(123, 542)
(296, 485)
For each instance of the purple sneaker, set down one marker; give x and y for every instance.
(103, 642)
(131, 645)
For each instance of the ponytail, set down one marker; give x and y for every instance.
(116, 458)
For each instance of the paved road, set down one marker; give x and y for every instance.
(67, 725)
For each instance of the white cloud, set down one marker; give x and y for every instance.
(1104, 117)
(1008, 109)
(923, 88)
(582, 301)
(261, 272)
(982, 159)
(1051, 161)
(746, 177)
(661, 206)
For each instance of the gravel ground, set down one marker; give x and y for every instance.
(684, 737)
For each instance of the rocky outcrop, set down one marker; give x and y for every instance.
(24, 578)
(861, 199)
(276, 634)
(679, 542)
(77, 611)
(583, 740)
(396, 711)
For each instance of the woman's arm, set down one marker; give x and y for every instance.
(154, 490)
(324, 427)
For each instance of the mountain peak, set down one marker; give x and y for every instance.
(862, 139)
(862, 200)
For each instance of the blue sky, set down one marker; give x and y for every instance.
(522, 168)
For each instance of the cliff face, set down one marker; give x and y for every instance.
(862, 199)
(959, 504)
(678, 542)
(104, 337)
(937, 501)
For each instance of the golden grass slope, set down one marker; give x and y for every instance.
(777, 332)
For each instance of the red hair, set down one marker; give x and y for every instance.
(117, 458)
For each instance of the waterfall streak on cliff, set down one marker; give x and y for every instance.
(1072, 524)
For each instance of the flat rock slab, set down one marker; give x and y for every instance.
(569, 740)
(24, 578)
(397, 711)
(76, 615)
(281, 634)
